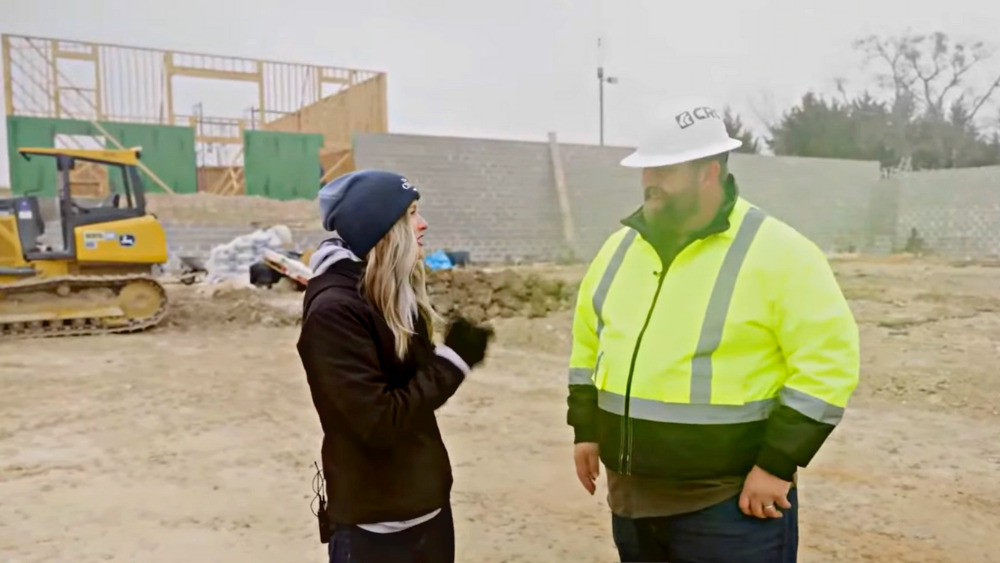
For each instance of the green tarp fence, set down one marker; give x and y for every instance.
(167, 150)
(282, 165)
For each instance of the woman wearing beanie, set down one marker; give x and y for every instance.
(376, 378)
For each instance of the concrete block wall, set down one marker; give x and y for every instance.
(601, 193)
(825, 199)
(497, 198)
(956, 212)
(492, 198)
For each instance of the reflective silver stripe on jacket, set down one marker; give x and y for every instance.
(584, 376)
(609, 275)
(718, 307)
(694, 413)
(812, 407)
(685, 413)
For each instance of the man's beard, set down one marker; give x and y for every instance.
(668, 222)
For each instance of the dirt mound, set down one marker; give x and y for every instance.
(229, 304)
(480, 295)
(210, 209)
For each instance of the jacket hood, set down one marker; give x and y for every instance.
(330, 251)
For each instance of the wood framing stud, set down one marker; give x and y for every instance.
(8, 82)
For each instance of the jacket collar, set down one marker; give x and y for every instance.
(329, 252)
(344, 274)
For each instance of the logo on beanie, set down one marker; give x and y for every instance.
(408, 186)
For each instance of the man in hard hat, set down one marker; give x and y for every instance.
(713, 353)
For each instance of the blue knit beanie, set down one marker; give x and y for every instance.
(362, 206)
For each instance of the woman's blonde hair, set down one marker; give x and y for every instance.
(395, 284)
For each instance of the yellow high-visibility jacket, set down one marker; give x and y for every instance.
(738, 350)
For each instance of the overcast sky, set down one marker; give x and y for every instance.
(519, 68)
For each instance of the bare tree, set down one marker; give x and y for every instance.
(765, 108)
(929, 69)
(737, 130)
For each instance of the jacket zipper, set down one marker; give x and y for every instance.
(625, 451)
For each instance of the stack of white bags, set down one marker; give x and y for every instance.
(233, 259)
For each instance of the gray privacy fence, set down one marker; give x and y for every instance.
(507, 201)
(954, 212)
(500, 199)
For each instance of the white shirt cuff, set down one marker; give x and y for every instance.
(453, 357)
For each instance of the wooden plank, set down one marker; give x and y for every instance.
(60, 54)
(222, 187)
(8, 86)
(55, 76)
(560, 183)
(221, 184)
(237, 181)
(260, 92)
(317, 75)
(98, 91)
(331, 172)
(233, 182)
(335, 80)
(168, 79)
(220, 140)
(215, 74)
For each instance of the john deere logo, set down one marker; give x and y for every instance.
(687, 119)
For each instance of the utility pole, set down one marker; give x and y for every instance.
(601, 79)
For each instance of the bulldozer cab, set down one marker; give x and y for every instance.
(125, 200)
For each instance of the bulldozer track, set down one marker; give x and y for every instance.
(79, 326)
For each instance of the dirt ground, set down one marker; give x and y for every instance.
(195, 441)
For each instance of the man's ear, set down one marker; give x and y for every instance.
(708, 172)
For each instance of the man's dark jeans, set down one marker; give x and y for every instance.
(717, 534)
(432, 541)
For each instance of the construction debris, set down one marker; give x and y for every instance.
(233, 259)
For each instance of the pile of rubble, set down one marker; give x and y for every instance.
(234, 259)
(481, 295)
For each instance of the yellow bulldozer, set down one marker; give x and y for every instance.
(100, 278)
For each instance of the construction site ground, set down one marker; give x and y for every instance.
(196, 441)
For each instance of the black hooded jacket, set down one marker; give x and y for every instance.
(383, 457)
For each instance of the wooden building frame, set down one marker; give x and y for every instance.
(101, 82)
(135, 84)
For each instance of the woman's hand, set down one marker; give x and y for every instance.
(469, 341)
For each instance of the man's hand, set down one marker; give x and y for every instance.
(763, 494)
(588, 464)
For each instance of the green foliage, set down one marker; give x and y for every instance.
(925, 113)
(736, 130)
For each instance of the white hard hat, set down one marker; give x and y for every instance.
(682, 131)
